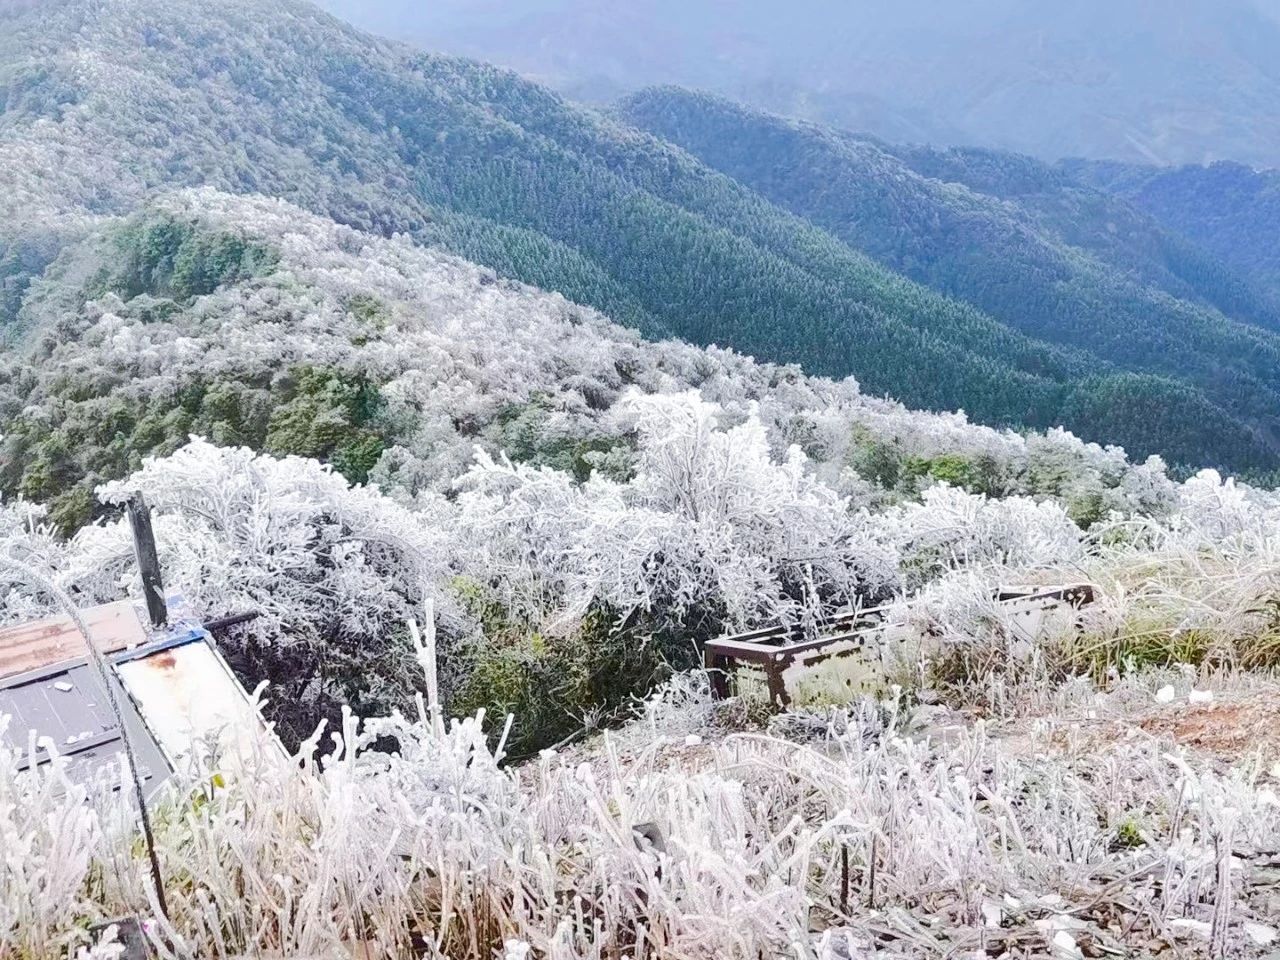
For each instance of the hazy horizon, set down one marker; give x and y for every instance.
(1190, 81)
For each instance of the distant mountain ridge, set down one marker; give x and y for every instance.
(1034, 204)
(1020, 240)
(107, 104)
(1227, 208)
(1173, 82)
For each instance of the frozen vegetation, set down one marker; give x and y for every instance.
(378, 426)
(866, 841)
(231, 278)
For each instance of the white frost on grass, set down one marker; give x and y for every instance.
(765, 847)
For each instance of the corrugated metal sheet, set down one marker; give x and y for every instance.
(174, 692)
(69, 707)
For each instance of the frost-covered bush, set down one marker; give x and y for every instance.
(1093, 481)
(951, 528)
(708, 521)
(1214, 510)
(563, 597)
(48, 833)
(288, 539)
(26, 536)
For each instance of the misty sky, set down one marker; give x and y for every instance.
(1143, 80)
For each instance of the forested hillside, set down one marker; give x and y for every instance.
(251, 323)
(468, 421)
(1227, 208)
(107, 104)
(1020, 241)
(259, 327)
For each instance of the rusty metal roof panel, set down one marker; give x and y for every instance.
(188, 697)
(173, 692)
(46, 643)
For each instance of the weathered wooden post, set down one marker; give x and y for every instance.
(144, 547)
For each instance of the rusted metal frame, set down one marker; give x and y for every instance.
(863, 618)
(720, 658)
(1074, 596)
(760, 635)
(722, 663)
(41, 673)
(717, 669)
(775, 681)
(722, 655)
(869, 617)
(742, 651)
(818, 643)
(743, 646)
(751, 653)
(776, 667)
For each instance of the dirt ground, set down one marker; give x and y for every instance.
(1234, 727)
(1231, 730)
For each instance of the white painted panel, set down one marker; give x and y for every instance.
(189, 699)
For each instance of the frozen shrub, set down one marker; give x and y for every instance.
(951, 528)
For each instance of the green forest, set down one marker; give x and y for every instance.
(947, 280)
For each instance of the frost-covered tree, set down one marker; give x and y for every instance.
(565, 491)
(709, 520)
